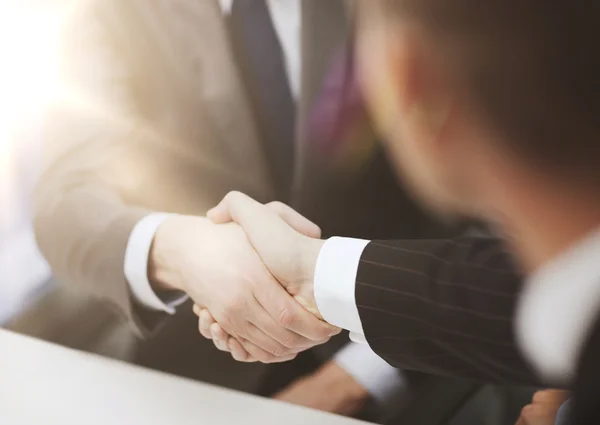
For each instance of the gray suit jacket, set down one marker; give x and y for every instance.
(153, 116)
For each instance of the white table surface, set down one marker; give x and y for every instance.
(41, 383)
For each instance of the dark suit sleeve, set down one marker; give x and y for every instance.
(444, 307)
(586, 406)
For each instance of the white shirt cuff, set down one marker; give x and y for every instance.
(335, 279)
(382, 381)
(136, 265)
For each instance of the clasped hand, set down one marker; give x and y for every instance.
(249, 269)
(288, 245)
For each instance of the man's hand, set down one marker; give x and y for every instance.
(290, 256)
(543, 408)
(218, 268)
(330, 389)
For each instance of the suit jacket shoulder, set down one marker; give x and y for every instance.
(150, 116)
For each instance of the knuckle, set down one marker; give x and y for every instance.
(218, 332)
(233, 196)
(200, 329)
(276, 206)
(270, 359)
(325, 332)
(204, 331)
(206, 317)
(286, 317)
(318, 335)
(235, 305)
(282, 359)
(539, 397)
(226, 324)
(263, 357)
(279, 350)
(526, 414)
(292, 341)
(240, 356)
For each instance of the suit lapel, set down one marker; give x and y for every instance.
(324, 29)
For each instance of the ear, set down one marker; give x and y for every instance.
(422, 92)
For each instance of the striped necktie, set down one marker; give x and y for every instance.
(261, 59)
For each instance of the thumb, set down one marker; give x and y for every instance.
(221, 214)
(295, 220)
(267, 231)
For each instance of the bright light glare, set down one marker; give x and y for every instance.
(28, 35)
(28, 31)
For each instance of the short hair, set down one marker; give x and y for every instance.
(532, 67)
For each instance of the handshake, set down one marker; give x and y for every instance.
(249, 268)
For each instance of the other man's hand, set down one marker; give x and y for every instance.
(290, 256)
(218, 268)
(330, 389)
(543, 408)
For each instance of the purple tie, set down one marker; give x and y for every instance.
(341, 134)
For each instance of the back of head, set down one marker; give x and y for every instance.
(532, 67)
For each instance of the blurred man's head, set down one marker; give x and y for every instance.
(473, 97)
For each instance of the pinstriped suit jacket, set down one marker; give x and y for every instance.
(443, 306)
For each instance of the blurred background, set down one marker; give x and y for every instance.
(31, 302)
(25, 274)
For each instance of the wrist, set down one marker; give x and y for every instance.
(163, 270)
(309, 255)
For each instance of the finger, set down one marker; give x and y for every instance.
(221, 214)
(236, 349)
(283, 330)
(288, 314)
(219, 337)
(526, 416)
(295, 220)
(221, 345)
(260, 223)
(537, 415)
(267, 233)
(239, 353)
(521, 421)
(550, 396)
(206, 320)
(197, 309)
(256, 336)
(207, 316)
(261, 355)
(217, 332)
(261, 339)
(276, 331)
(204, 331)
